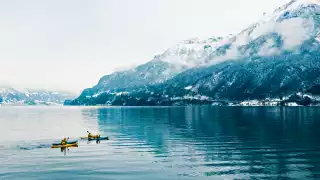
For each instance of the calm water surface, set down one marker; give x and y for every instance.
(161, 143)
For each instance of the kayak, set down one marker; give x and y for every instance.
(100, 138)
(68, 142)
(91, 139)
(66, 145)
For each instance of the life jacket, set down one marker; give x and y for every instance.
(64, 141)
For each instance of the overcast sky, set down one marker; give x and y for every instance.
(69, 45)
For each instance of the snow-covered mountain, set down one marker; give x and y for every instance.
(174, 60)
(12, 96)
(275, 58)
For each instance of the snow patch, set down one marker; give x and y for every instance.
(189, 97)
(292, 104)
(121, 93)
(97, 94)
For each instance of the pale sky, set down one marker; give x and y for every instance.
(70, 45)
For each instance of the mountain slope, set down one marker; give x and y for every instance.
(256, 78)
(275, 57)
(185, 55)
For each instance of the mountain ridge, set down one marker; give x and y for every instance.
(280, 50)
(29, 96)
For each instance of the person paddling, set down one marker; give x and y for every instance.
(92, 136)
(64, 141)
(89, 134)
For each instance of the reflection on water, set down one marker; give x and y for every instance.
(170, 143)
(240, 141)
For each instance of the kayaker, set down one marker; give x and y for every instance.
(89, 134)
(92, 136)
(64, 141)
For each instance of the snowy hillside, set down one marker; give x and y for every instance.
(32, 97)
(174, 60)
(193, 52)
(274, 58)
(285, 29)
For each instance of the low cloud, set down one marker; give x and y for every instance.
(267, 49)
(293, 31)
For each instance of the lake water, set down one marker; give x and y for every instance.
(161, 143)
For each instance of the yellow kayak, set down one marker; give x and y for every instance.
(66, 145)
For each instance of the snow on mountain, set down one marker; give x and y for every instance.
(193, 52)
(7, 90)
(10, 95)
(290, 10)
(174, 60)
(285, 29)
(276, 56)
